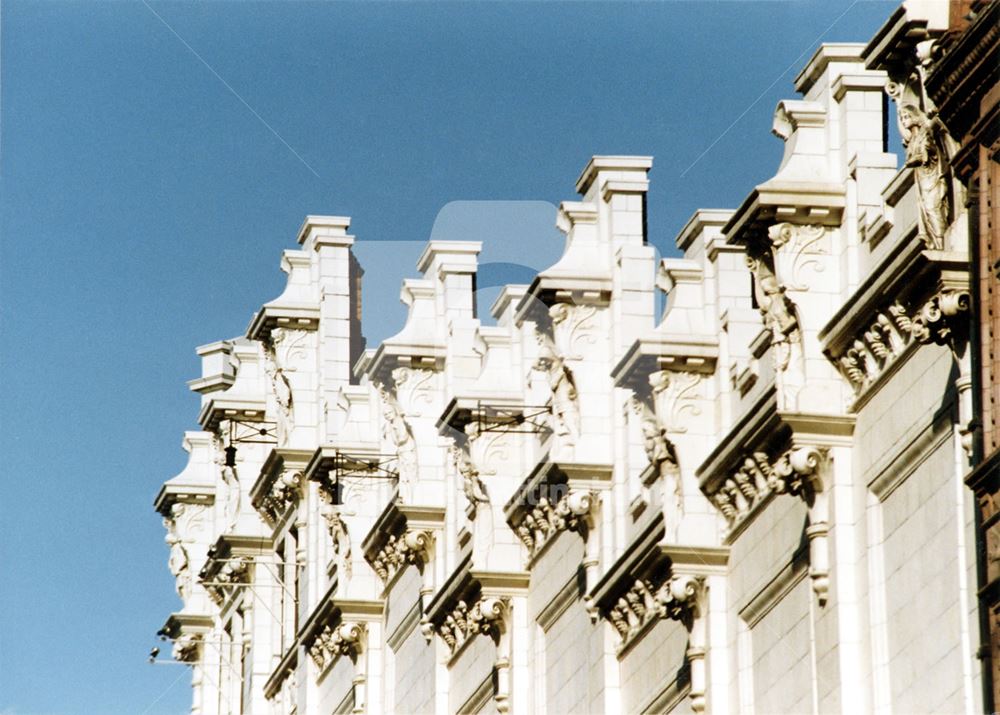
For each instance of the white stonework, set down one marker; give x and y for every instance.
(752, 503)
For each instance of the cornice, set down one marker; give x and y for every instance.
(288, 663)
(556, 497)
(659, 351)
(402, 534)
(294, 317)
(187, 631)
(701, 219)
(472, 602)
(610, 163)
(895, 42)
(826, 53)
(889, 312)
(328, 230)
(202, 494)
(652, 580)
(245, 408)
(768, 451)
(178, 624)
(470, 406)
(271, 498)
(229, 563)
(968, 68)
(798, 203)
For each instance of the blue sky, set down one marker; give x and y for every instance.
(145, 204)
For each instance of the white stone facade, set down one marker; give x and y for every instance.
(752, 504)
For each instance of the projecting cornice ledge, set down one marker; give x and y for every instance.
(915, 296)
(280, 482)
(402, 535)
(651, 581)
(800, 203)
(771, 452)
(686, 353)
(338, 627)
(556, 497)
(187, 631)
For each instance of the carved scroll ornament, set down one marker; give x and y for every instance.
(487, 616)
(572, 512)
(411, 547)
(345, 638)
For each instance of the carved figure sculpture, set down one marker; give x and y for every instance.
(663, 457)
(282, 394)
(926, 154)
(178, 563)
(397, 431)
(472, 484)
(232, 508)
(339, 535)
(562, 384)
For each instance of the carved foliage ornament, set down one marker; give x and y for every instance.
(233, 571)
(940, 320)
(573, 511)
(758, 476)
(411, 547)
(285, 490)
(575, 329)
(413, 387)
(797, 248)
(487, 616)
(649, 599)
(333, 641)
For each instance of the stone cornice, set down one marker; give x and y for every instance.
(653, 580)
(337, 627)
(187, 631)
(610, 163)
(468, 407)
(325, 230)
(825, 54)
(288, 663)
(280, 482)
(418, 344)
(293, 317)
(685, 353)
(194, 484)
(768, 451)
(813, 203)
(895, 42)
(968, 68)
(170, 494)
(245, 408)
(473, 602)
(228, 564)
(296, 308)
(701, 219)
(555, 497)
(402, 535)
(905, 300)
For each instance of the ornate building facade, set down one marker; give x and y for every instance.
(753, 501)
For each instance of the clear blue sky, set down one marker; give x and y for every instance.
(144, 208)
